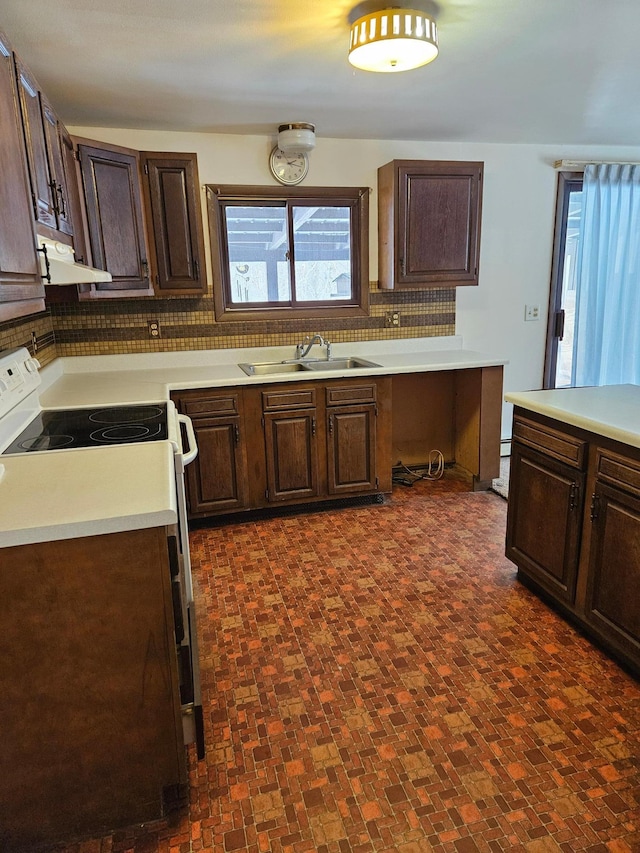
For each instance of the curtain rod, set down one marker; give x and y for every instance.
(579, 165)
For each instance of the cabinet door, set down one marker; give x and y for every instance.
(72, 196)
(429, 220)
(292, 455)
(613, 599)
(175, 215)
(215, 481)
(351, 449)
(544, 520)
(21, 287)
(90, 702)
(58, 182)
(114, 216)
(41, 182)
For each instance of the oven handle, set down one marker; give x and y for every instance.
(192, 452)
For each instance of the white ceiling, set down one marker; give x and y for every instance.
(524, 71)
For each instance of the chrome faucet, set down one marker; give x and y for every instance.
(302, 350)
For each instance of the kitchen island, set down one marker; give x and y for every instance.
(573, 524)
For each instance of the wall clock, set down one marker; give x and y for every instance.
(288, 167)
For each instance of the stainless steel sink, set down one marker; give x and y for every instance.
(341, 364)
(262, 369)
(319, 365)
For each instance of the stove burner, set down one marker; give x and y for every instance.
(63, 429)
(124, 432)
(119, 415)
(46, 442)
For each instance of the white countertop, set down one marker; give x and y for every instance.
(612, 411)
(70, 493)
(150, 377)
(64, 494)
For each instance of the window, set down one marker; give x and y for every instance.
(293, 252)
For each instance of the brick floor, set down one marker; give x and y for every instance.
(375, 679)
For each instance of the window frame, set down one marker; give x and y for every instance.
(568, 182)
(356, 198)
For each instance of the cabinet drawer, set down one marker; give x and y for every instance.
(618, 470)
(212, 406)
(344, 395)
(283, 398)
(547, 440)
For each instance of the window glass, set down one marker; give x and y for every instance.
(568, 289)
(258, 244)
(322, 251)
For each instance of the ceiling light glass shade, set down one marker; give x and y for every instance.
(393, 40)
(296, 136)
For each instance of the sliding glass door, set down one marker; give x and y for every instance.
(562, 301)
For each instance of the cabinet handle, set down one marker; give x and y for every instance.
(196, 270)
(330, 424)
(145, 268)
(62, 206)
(573, 496)
(402, 265)
(313, 426)
(595, 506)
(53, 186)
(236, 433)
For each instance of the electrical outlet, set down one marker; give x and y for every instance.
(531, 312)
(154, 328)
(392, 318)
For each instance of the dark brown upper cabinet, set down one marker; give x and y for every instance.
(51, 190)
(60, 189)
(21, 287)
(42, 189)
(111, 180)
(73, 199)
(174, 215)
(429, 214)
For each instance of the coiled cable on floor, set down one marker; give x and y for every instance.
(433, 470)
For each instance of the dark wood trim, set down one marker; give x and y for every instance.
(357, 198)
(568, 182)
(12, 309)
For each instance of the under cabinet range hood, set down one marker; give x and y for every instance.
(58, 265)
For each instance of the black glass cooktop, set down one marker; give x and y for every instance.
(71, 428)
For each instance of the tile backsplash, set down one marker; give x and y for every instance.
(34, 332)
(121, 326)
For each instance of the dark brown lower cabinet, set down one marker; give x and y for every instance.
(545, 523)
(612, 604)
(89, 688)
(216, 482)
(290, 440)
(351, 449)
(288, 443)
(573, 527)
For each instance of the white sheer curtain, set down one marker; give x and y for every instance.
(606, 348)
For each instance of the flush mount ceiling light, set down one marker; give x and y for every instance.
(390, 39)
(296, 136)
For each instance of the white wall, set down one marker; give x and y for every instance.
(517, 219)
